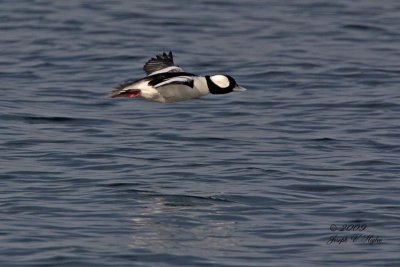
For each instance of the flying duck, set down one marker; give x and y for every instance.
(166, 83)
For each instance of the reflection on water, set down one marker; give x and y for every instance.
(169, 227)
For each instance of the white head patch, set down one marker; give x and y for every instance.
(221, 80)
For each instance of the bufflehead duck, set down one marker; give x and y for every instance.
(166, 83)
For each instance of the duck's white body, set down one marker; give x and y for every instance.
(168, 93)
(168, 83)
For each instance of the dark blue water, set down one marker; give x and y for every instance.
(246, 179)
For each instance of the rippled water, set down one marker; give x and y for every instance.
(246, 179)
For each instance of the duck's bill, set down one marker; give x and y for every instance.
(239, 89)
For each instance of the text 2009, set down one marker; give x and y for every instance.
(352, 227)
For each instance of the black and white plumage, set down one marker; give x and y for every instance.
(166, 82)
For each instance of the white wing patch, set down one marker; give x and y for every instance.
(168, 69)
(185, 80)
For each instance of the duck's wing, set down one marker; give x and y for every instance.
(183, 80)
(170, 78)
(160, 64)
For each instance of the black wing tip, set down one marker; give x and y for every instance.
(169, 55)
(159, 62)
(163, 57)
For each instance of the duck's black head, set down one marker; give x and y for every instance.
(222, 84)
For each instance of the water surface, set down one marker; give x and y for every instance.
(245, 179)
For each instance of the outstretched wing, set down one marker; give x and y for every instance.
(184, 80)
(169, 78)
(161, 63)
